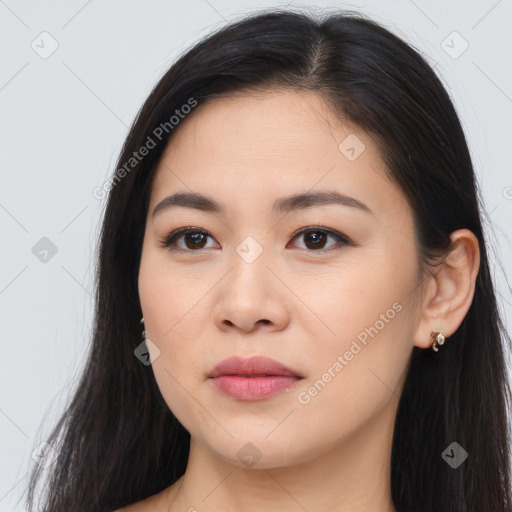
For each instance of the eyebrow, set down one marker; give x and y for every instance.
(281, 206)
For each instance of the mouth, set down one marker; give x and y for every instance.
(253, 379)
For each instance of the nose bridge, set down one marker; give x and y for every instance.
(250, 250)
(248, 295)
(250, 260)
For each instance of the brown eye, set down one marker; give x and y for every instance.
(194, 239)
(315, 239)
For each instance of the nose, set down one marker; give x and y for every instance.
(250, 298)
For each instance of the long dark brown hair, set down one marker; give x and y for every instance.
(118, 442)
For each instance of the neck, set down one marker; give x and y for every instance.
(353, 476)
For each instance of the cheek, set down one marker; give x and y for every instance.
(169, 297)
(358, 374)
(361, 298)
(359, 360)
(174, 314)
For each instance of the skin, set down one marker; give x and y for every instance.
(293, 304)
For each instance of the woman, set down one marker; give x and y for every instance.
(294, 229)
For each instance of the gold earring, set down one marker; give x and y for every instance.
(438, 339)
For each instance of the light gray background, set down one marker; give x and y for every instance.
(64, 118)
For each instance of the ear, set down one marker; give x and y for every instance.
(448, 291)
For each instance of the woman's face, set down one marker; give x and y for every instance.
(337, 304)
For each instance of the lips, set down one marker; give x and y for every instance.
(253, 379)
(252, 367)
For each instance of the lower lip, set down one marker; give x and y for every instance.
(253, 388)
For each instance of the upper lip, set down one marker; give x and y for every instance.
(256, 365)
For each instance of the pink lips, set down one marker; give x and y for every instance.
(252, 379)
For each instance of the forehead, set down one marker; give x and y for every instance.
(270, 123)
(249, 145)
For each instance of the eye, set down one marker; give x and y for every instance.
(316, 237)
(195, 239)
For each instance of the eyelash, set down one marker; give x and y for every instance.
(169, 241)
